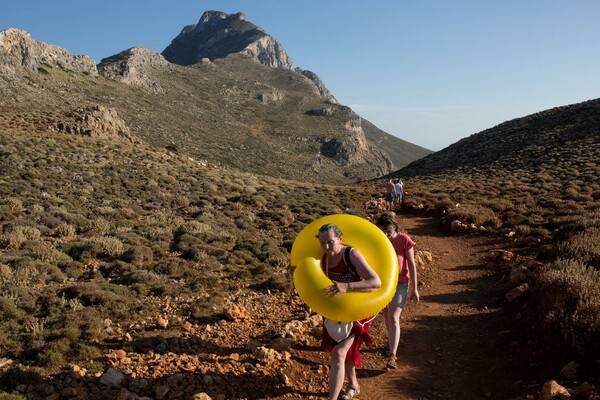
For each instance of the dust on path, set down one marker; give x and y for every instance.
(456, 342)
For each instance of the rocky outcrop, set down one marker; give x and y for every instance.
(354, 149)
(270, 96)
(19, 51)
(323, 91)
(133, 66)
(98, 121)
(218, 34)
(268, 51)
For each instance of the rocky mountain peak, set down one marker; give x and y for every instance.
(218, 34)
(214, 17)
(19, 51)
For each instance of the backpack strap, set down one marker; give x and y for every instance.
(348, 261)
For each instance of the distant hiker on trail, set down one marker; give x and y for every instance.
(404, 247)
(399, 186)
(390, 194)
(345, 352)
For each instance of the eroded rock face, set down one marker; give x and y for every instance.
(132, 67)
(19, 51)
(218, 34)
(354, 149)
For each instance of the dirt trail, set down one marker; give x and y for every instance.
(456, 342)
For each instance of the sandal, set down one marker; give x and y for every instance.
(350, 392)
(391, 364)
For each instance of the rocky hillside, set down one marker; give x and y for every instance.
(564, 139)
(231, 111)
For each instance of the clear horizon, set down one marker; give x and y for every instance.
(428, 72)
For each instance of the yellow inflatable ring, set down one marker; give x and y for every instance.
(310, 280)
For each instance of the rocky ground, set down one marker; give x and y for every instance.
(458, 342)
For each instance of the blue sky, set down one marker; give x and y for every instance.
(429, 72)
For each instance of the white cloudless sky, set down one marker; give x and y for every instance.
(427, 71)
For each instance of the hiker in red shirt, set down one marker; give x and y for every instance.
(404, 247)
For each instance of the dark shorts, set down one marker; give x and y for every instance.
(389, 196)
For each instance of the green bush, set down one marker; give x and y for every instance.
(9, 309)
(89, 294)
(139, 255)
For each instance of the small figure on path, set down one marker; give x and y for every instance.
(345, 352)
(404, 247)
(399, 186)
(390, 194)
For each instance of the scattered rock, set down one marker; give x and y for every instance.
(235, 313)
(162, 322)
(569, 371)
(112, 377)
(553, 391)
(513, 295)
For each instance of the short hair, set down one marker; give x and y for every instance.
(330, 227)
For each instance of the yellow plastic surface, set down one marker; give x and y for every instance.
(310, 280)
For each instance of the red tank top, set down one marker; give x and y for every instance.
(339, 272)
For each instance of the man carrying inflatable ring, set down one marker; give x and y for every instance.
(338, 282)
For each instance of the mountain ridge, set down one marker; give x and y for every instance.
(290, 96)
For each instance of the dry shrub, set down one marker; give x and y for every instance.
(13, 203)
(6, 275)
(65, 230)
(582, 246)
(523, 230)
(568, 294)
(22, 276)
(193, 227)
(109, 246)
(98, 226)
(475, 214)
(18, 235)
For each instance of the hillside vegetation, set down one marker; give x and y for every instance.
(536, 179)
(93, 229)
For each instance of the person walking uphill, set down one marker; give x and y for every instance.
(390, 194)
(404, 247)
(345, 352)
(399, 192)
